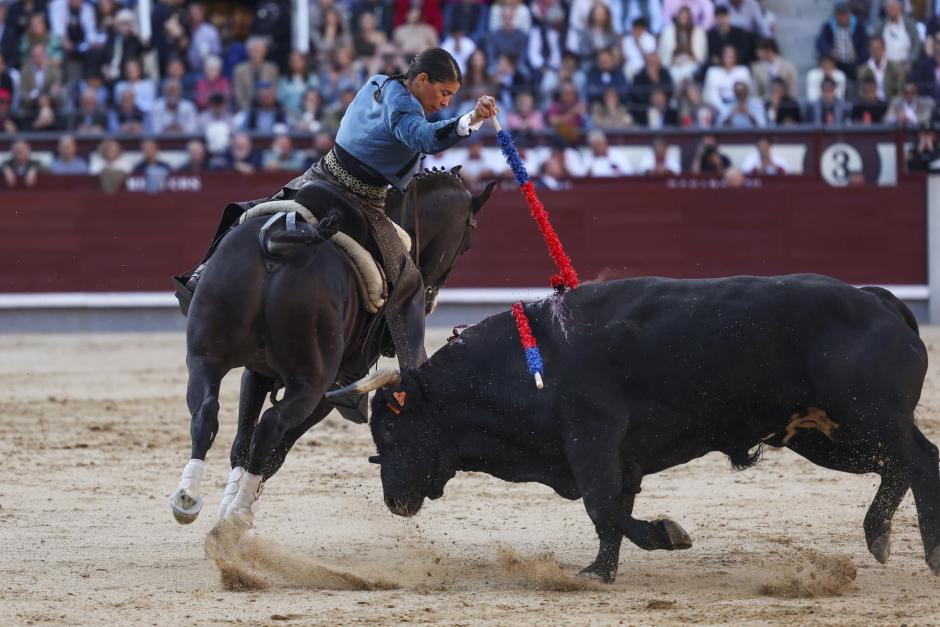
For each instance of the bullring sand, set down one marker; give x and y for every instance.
(94, 432)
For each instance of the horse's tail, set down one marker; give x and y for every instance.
(281, 243)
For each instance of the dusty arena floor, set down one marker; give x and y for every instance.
(94, 432)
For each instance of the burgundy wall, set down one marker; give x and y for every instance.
(67, 236)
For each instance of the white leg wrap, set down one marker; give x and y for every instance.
(191, 479)
(186, 502)
(242, 506)
(231, 489)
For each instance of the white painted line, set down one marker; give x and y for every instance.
(453, 296)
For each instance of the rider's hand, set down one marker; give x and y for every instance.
(485, 109)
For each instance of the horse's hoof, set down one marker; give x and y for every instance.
(678, 538)
(881, 547)
(185, 506)
(934, 561)
(592, 575)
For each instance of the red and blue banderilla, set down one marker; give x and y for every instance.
(565, 279)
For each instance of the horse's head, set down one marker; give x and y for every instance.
(446, 219)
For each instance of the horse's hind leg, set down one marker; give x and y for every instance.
(254, 389)
(860, 458)
(277, 457)
(202, 397)
(301, 396)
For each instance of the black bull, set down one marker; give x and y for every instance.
(298, 321)
(646, 374)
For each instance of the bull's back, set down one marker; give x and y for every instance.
(693, 341)
(728, 338)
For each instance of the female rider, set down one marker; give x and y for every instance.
(379, 143)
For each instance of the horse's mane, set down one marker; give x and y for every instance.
(433, 179)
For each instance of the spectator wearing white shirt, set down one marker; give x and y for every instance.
(144, 89)
(815, 77)
(545, 38)
(599, 162)
(683, 46)
(763, 161)
(902, 41)
(521, 15)
(659, 162)
(172, 113)
(459, 46)
(720, 79)
(910, 109)
(478, 166)
(62, 12)
(639, 43)
(216, 120)
(887, 75)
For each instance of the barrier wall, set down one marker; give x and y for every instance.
(68, 237)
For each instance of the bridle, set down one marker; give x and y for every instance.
(470, 224)
(410, 197)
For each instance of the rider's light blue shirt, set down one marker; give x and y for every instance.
(390, 135)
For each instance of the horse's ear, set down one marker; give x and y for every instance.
(477, 202)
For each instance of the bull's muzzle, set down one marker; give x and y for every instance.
(404, 506)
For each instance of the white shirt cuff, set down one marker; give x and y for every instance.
(463, 125)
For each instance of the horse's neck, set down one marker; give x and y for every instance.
(428, 223)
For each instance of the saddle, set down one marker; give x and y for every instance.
(370, 278)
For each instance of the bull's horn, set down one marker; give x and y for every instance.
(387, 377)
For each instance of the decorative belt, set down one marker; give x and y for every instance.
(351, 182)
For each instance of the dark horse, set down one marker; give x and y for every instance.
(297, 322)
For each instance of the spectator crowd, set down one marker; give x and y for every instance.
(226, 73)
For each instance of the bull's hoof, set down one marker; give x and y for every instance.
(881, 547)
(934, 561)
(678, 538)
(185, 506)
(596, 573)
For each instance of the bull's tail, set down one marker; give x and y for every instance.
(895, 304)
(282, 242)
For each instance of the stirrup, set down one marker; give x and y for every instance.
(194, 277)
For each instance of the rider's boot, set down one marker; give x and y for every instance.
(413, 315)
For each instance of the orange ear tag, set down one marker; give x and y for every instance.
(400, 397)
(393, 408)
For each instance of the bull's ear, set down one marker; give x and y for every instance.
(477, 202)
(456, 169)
